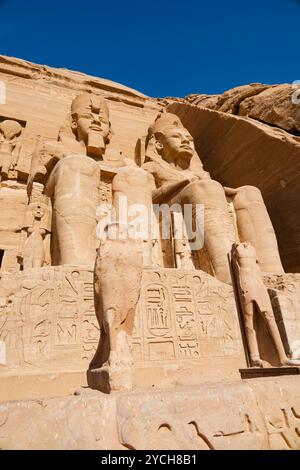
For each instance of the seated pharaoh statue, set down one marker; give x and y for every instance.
(71, 170)
(179, 178)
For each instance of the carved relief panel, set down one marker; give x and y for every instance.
(181, 316)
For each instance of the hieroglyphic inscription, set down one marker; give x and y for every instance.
(283, 427)
(158, 322)
(54, 318)
(186, 328)
(89, 327)
(185, 315)
(158, 313)
(182, 315)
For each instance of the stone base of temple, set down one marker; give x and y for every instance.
(52, 382)
(110, 379)
(161, 376)
(25, 385)
(261, 413)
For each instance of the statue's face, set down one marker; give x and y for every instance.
(176, 144)
(87, 121)
(10, 129)
(38, 212)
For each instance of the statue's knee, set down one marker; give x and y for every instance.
(131, 178)
(252, 192)
(207, 186)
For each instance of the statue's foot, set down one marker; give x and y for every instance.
(119, 361)
(109, 379)
(290, 362)
(257, 362)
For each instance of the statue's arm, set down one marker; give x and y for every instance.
(16, 153)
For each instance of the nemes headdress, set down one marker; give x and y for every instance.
(164, 121)
(90, 102)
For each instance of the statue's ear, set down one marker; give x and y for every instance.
(73, 124)
(159, 146)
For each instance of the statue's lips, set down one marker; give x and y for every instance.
(186, 147)
(95, 128)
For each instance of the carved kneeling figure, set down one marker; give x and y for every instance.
(254, 296)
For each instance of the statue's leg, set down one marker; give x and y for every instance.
(27, 261)
(276, 338)
(134, 184)
(74, 190)
(219, 232)
(255, 227)
(7, 161)
(38, 253)
(248, 316)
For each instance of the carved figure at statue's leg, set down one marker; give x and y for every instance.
(254, 297)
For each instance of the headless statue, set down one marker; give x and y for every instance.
(254, 297)
(117, 279)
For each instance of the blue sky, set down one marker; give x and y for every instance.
(160, 47)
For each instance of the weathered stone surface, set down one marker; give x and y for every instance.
(74, 422)
(271, 104)
(274, 106)
(256, 414)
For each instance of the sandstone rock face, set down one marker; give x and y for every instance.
(275, 105)
(144, 302)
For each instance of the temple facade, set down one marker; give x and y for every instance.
(149, 266)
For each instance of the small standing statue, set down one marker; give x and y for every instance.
(10, 146)
(36, 232)
(254, 296)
